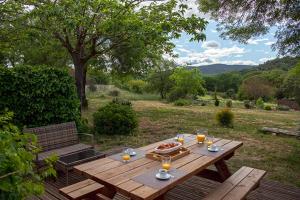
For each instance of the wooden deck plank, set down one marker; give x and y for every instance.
(196, 188)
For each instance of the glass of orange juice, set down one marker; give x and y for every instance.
(201, 135)
(166, 163)
(209, 141)
(180, 138)
(125, 156)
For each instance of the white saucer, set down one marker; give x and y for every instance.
(132, 153)
(167, 177)
(213, 150)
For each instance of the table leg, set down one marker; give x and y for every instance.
(222, 169)
(109, 192)
(67, 174)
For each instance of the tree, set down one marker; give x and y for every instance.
(242, 19)
(291, 84)
(18, 177)
(159, 78)
(124, 35)
(256, 86)
(189, 82)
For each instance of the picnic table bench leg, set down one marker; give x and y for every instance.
(109, 192)
(222, 169)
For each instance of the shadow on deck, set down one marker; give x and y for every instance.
(193, 189)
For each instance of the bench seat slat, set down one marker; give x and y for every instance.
(81, 189)
(238, 185)
(246, 185)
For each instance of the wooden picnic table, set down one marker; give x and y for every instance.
(126, 178)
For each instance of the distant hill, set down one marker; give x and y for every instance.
(221, 68)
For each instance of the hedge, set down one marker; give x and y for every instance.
(38, 95)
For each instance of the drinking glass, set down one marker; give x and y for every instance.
(166, 162)
(180, 138)
(209, 141)
(125, 155)
(201, 135)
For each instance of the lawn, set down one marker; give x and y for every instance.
(279, 155)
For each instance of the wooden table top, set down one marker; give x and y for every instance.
(119, 175)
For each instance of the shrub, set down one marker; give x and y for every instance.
(19, 178)
(92, 87)
(137, 86)
(82, 126)
(217, 102)
(225, 117)
(122, 101)
(260, 103)
(267, 107)
(114, 93)
(229, 103)
(39, 95)
(283, 108)
(248, 104)
(99, 76)
(176, 94)
(230, 93)
(182, 102)
(115, 118)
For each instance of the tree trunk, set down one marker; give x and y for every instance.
(80, 78)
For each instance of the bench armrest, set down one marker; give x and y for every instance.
(90, 135)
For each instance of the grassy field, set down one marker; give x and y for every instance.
(279, 155)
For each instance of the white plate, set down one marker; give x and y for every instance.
(167, 177)
(165, 151)
(216, 149)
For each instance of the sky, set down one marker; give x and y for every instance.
(216, 50)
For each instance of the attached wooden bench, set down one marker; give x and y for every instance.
(83, 189)
(237, 186)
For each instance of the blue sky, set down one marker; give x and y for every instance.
(217, 50)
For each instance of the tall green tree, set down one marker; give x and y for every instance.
(123, 34)
(292, 83)
(242, 19)
(159, 78)
(189, 82)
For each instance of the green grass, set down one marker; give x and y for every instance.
(279, 155)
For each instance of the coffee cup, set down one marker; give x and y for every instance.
(163, 173)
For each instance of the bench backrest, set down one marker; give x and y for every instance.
(55, 136)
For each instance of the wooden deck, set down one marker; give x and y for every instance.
(193, 189)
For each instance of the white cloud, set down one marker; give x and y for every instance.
(213, 30)
(240, 62)
(269, 43)
(183, 50)
(210, 44)
(262, 60)
(257, 41)
(238, 56)
(210, 56)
